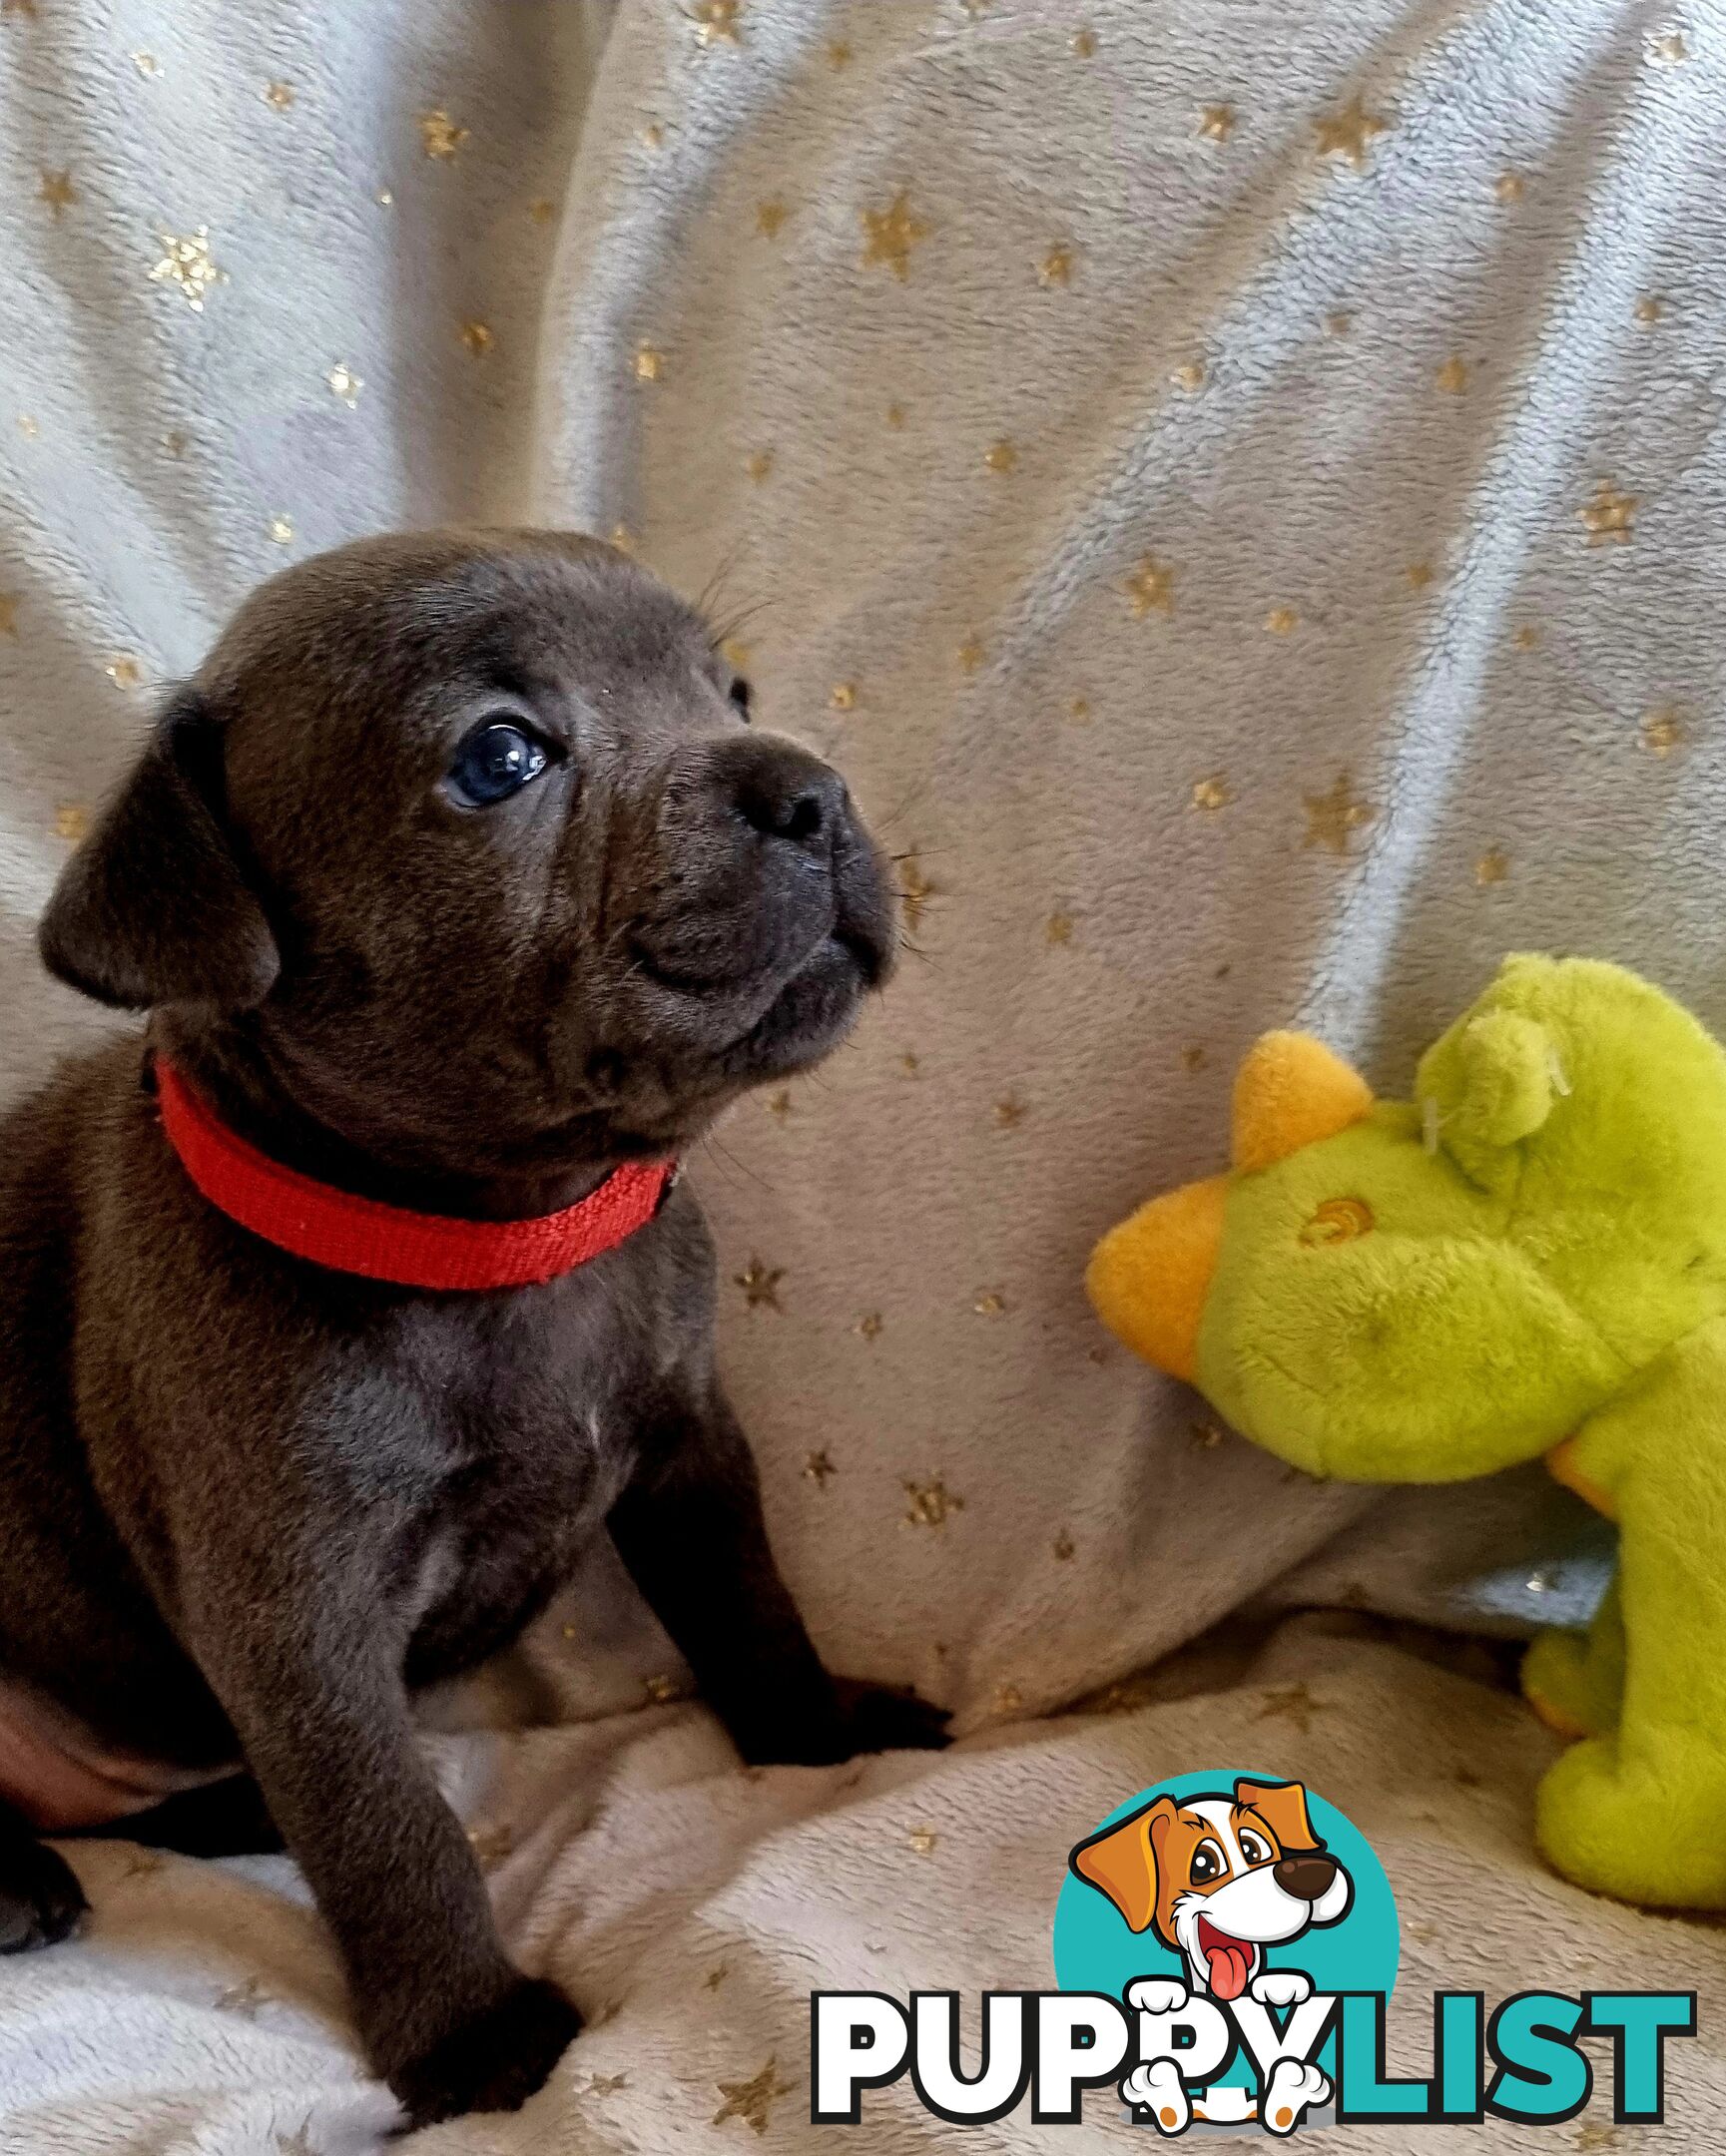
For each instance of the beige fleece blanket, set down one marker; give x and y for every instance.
(1238, 489)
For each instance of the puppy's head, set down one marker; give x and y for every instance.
(469, 835)
(1218, 1878)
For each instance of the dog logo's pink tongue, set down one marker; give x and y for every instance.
(1230, 1961)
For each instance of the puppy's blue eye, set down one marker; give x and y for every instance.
(495, 761)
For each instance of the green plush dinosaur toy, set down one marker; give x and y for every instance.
(1529, 1257)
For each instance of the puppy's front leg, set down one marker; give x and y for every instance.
(689, 1529)
(318, 1702)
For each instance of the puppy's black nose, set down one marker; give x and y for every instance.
(784, 792)
(1306, 1877)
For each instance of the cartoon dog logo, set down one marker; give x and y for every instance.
(1219, 1879)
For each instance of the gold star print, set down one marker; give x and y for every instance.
(19, 7)
(1331, 816)
(542, 208)
(1213, 792)
(1338, 323)
(1493, 867)
(1649, 309)
(1193, 1058)
(1608, 515)
(735, 654)
(659, 1690)
(991, 1303)
(1000, 456)
(751, 2101)
(244, 1999)
(817, 1467)
(1189, 375)
(1591, 2137)
(1083, 43)
(1062, 1547)
(147, 65)
(1078, 709)
(649, 363)
(124, 671)
(282, 530)
(1419, 574)
(490, 1842)
(279, 95)
(842, 695)
(623, 538)
(477, 337)
(1668, 49)
(915, 891)
(779, 1106)
(144, 1863)
(439, 137)
(716, 22)
(922, 1840)
(716, 1976)
(1293, 1703)
(1151, 588)
(758, 464)
(186, 264)
(1347, 134)
(909, 1063)
(606, 2084)
(383, 197)
(1282, 621)
(651, 135)
(1527, 637)
(869, 1326)
(890, 233)
(1508, 187)
(298, 2143)
(972, 653)
(344, 383)
(1059, 929)
(1452, 377)
(895, 416)
(1009, 1699)
(57, 191)
(760, 1285)
(1662, 731)
(71, 821)
(838, 53)
(769, 216)
(8, 614)
(1204, 1436)
(27, 426)
(1056, 266)
(1216, 121)
(1010, 1113)
(932, 1503)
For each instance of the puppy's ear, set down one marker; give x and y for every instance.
(1283, 1808)
(153, 908)
(1121, 1862)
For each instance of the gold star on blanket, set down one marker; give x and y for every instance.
(19, 7)
(1668, 49)
(779, 1105)
(542, 208)
(1649, 308)
(1662, 731)
(57, 191)
(1151, 588)
(1293, 1703)
(1333, 815)
(842, 695)
(1347, 134)
(817, 1467)
(751, 2101)
(71, 821)
(279, 95)
(245, 1999)
(1056, 266)
(1419, 574)
(869, 1326)
(298, 2143)
(1591, 2136)
(1078, 709)
(1190, 375)
(1493, 867)
(716, 1976)
(915, 891)
(1009, 1699)
(27, 426)
(1216, 121)
(1062, 1547)
(186, 264)
(922, 1840)
(991, 1303)
(144, 1863)
(1608, 515)
(758, 464)
(839, 54)
(1213, 792)
(1083, 43)
(490, 1841)
(659, 1690)
(147, 65)
(1452, 377)
(760, 1285)
(1058, 928)
(1282, 621)
(1194, 1057)
(344, 383)
(8, 614)
(282, 530)
(649, 363)
(439, 136)
(1000, 456)
(932, 1503)
(972, 653)
(1204, 1436)
(909, 1063)
(716, 22)
(1010, 1113)
(890, 233)
(769, 216)
(605, 2085)
(124, 671)
(477, 337)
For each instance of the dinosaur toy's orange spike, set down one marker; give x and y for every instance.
(1290, 1090)
(1148, 1277)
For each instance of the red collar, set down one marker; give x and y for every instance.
(387, 1243)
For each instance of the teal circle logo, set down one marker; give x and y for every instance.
(1222, 1884)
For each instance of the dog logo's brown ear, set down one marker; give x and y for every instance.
(1283, 1808)
(1121, 1862)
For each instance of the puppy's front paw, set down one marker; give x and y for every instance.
(1281, 1987)
(494, 2062)
(860, 1718)
(39, 1898)
(1157, 1995)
